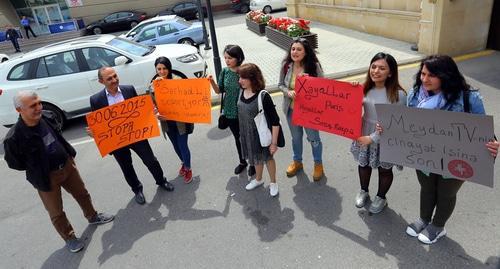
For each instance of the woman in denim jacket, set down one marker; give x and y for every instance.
(440, 85)
(300, 60)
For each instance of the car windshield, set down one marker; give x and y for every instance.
(130, 47)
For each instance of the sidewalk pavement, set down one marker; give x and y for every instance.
(342, 52)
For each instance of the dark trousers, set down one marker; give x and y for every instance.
(15, 43)
(28, 28)
(68, 178)
(439, 194)
(234, 126)
(180, 143)
(124, 158)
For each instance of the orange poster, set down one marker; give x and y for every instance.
(123, 123)
(184, 100)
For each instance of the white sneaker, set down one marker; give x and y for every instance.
(273, 189)
(254, 184)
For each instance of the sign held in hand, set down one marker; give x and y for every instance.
(184, 100)
(122, 124)
(452, 144)
(328, 105)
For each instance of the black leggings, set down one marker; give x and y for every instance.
(439, 194)
(385, 177)
(234, 126)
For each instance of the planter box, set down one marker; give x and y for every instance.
(259, 29)
(283, 41)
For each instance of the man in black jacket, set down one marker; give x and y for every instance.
(12, 35)
(114, 93)
(36, 146)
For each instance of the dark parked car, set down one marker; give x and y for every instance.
(122, 20)
(241, 6)
(187, 10)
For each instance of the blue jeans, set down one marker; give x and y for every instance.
(180, 143)
(312, 136)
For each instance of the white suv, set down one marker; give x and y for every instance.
(65, 74)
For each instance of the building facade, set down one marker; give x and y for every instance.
(42, 13)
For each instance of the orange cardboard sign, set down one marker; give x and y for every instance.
(184, 100)
(123, 123)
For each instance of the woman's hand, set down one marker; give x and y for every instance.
(354, 83)
(159, 78)
(364, 140)
(378, 128)
(493, 148)
(273, 148)
(291, 94)
(211, 78)
(89, 131)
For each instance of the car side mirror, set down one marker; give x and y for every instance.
(121, 60)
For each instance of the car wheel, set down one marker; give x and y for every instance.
(133, 24)
(55, 113)
(187, 41)
(97, 30)
(267, 9)
(244, 9)
(4, 60)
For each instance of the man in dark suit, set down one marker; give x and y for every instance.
(12, 35)
(114, 93)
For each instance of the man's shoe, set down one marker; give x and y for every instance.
(139, 198)
(293, 168)
(273, 189)
(74, 245)
(415, 228)
(361, 198)
(188, 176)
(377, 205)
(240, 168)
(254, 184)
(251, 171)
(167, 186)
(431, 234)
(101, 218)
(318, 172)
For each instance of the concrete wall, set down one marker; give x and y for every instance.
(8, 14)
(96, 9)
(454, 27)
(398, 19)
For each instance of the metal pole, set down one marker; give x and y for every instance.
(202, 19)
(215, 50)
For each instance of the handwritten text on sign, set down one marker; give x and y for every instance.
(451, 144)
(328, 105)
(123, 123)
(184, 100)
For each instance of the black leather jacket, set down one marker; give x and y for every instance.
(25, 151)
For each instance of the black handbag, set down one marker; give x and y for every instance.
(223, 121)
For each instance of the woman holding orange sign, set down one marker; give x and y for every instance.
(177, 132)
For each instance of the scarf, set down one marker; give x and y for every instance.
(427, 101)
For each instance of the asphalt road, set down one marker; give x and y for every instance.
(214, 223)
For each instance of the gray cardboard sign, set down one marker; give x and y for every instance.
(451, 144)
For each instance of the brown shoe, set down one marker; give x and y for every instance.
(293, 168)
(318, 172)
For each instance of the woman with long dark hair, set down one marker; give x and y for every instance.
(381, 87)
(300, 60)
(176, 131)
(440, 85)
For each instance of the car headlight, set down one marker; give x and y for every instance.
(188, 58)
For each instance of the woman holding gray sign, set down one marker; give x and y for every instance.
(440, 85)
(300, 60)
(252, 99)
(381, 87)
(177, 132)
